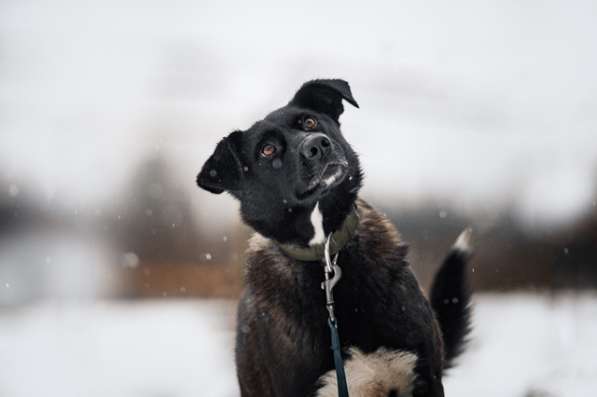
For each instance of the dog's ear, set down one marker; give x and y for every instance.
(223, 169)
(324, 96)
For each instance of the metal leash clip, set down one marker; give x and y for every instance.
(332, 274)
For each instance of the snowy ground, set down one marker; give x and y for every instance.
(524, 345)
(529, 345)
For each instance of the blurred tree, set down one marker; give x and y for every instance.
(153, 219)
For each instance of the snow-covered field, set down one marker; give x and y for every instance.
(530, 345)
(523, 345)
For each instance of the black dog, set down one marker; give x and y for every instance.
(297, 180)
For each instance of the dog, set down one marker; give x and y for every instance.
(297, 180)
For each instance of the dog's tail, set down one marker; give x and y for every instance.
(451, 296)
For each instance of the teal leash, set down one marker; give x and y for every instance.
(338, 361)
(332, 274)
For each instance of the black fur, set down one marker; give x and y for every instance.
(324, 96)
(282, 338)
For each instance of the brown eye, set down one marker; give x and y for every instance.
(268, 150)
(309, 123)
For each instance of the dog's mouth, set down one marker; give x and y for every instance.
(332, 174)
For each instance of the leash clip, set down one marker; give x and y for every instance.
(332, 274)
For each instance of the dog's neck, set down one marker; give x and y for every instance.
(315, 250)
(302, 226)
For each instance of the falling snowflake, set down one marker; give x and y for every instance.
(130, 260)
(13, 190)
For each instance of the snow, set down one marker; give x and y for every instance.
(169, 348)
(525, 343)
(522, 343)
(13, 190)
(130, 260)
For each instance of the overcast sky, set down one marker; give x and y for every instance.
(476, 104)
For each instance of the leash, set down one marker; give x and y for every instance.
(332, 274)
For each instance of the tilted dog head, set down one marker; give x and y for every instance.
(290, 164)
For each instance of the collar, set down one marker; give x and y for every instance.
(339, 239)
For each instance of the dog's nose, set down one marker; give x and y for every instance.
(315, 146)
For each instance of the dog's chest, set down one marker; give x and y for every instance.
(294, 305)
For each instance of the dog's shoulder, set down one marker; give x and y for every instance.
(262, 254)
(269, 273)
(377, 234)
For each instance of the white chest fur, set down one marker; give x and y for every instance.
(317, 222)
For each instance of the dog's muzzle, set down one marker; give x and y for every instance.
(326, 161)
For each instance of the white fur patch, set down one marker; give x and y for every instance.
(257, 242)
(464, 241)
(317, 222)
(374, 375)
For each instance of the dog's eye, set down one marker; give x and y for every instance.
(268, 150)
(309, 123)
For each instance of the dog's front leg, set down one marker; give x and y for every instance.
(293, 367)
(277, 357)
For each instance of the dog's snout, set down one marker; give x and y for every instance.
(315, 146)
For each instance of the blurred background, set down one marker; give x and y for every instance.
(119, 277)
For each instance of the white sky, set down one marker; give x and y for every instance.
(477, 104)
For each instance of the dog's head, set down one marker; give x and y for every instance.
(289, 163)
